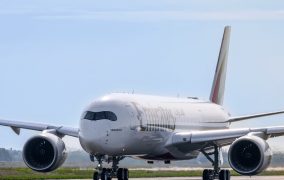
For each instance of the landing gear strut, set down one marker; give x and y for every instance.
(216, 173)
(109, 173)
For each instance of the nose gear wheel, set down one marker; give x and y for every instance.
(109, 173)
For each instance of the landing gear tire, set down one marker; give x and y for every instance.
(224, 175)
(211, 174)
(109, 176)
(96, 176)
(228, 174)
(104, 174)
(122, 174)
(208, 174)
(119, 174)
(205, 175)
(126, 173)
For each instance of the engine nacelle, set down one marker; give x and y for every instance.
(249, 155)
(44, 152)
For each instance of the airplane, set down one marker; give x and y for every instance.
(120, 125)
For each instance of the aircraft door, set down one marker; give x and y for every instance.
(136, 116)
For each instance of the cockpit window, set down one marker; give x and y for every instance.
(94, 116)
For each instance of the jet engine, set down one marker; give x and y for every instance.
(249, 155)
(44, 152)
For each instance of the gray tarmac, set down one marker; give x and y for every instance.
(233, 178)
(199, 178)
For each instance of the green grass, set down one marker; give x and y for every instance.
(76, 173)
(62, 173)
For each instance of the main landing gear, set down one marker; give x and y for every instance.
(109, 173)
(216, 173)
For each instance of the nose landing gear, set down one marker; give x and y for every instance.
(109, 173)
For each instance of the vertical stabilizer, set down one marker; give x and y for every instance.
(218, 87)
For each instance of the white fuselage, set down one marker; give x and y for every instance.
(143, 124)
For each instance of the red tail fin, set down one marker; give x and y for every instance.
(218, 87)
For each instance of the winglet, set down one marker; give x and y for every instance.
(218, 87)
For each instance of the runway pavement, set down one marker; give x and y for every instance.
(199, 178)
(233, 178)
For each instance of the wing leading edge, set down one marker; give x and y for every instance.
(17, 125)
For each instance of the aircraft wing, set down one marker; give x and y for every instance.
(241, 118)
(189, 141)
(17, 125)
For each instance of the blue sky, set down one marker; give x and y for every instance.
(57, 56)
